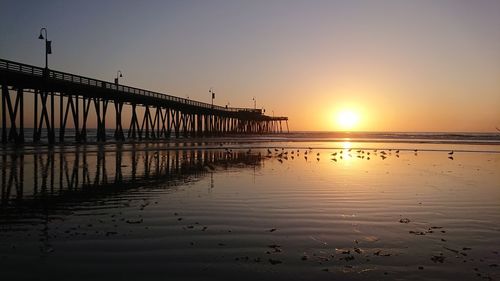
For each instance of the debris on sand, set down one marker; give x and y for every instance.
(134, 221)
(404, 220)
(379, 253)
(451, 250)
(438, 259)
(274, 262)
(275, 247)
(347, 258)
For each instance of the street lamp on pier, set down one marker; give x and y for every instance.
(118, 75)
(254, 103)
(213, 96)
(48, 46)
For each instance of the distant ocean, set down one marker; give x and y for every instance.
(412, 137)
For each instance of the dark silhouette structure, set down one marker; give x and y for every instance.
(83, 172)
(164, 116)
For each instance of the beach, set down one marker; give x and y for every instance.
(275, 208)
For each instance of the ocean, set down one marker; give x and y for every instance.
(298, 206)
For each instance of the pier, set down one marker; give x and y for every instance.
(154, 116)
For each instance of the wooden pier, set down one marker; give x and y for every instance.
(164, 116)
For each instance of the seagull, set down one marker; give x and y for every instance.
(450, 153)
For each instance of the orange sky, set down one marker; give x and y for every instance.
(399, 65)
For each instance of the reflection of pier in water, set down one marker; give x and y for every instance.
(58, 174)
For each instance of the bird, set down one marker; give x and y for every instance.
(334, 154)
(450, 157)
(317, 154)
(450, 153)
(397, 151)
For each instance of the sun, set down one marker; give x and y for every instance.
(347, 119)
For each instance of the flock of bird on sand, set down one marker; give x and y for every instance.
(282, 154)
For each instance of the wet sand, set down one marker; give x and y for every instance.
(356, 211)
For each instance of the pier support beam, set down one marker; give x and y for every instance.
(15, 114)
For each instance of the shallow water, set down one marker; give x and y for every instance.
(210, 212)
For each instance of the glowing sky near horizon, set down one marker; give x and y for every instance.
(399, 65)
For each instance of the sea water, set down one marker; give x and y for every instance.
(303, 206)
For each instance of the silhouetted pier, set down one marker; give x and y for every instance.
(164, 116)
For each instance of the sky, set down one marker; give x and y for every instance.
(395, 65)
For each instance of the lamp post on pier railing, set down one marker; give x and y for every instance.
(254, 103)
(118, 75)
(213, 96)
(48, 46)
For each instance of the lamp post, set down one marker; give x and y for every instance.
(118, 75)
(48, 46)
(213, 96)
(254, 103)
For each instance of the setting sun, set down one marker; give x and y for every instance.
(347, 119)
